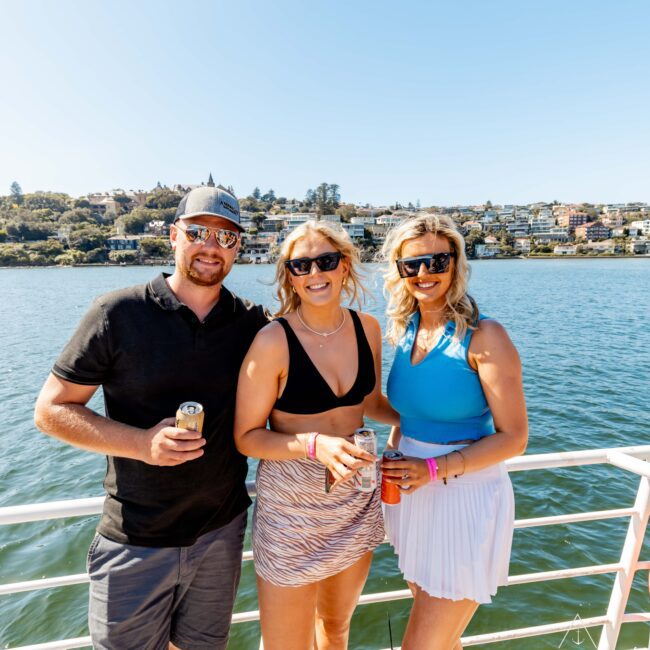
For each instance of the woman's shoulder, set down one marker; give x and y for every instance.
(490, 336)
(370, 324)
(270, 338)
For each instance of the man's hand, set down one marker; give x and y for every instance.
(166, 445)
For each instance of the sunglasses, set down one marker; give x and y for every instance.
(196, 233)
(409, 267)
(324, 262)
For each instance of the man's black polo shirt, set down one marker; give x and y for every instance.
(150, 353)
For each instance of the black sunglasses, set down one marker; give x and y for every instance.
(196, 233)
(409, 267)
(324, 262)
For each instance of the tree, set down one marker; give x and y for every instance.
(155, 247)
(123, 257)
(257, 194)
(87, 237)
(55, 201)
(16, 193)
(334, 195)
(77, 215)
(346, 211)
(258, 220)
(163, 198)
(269, 197)
(134, 222)
(475, 237)
(29, 230)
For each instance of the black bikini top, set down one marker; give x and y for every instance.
(306, 391)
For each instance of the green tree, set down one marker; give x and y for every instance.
(70, 257)
(258, 220)
(77, 215)
(123, 257)
(29, 230)
(49, 248)
(134, 222)
(257, 194)
(86, 238)
(97, 256)
(471, 240)
(155, 247)
(163, 197)
(16, 193)
(55, 201)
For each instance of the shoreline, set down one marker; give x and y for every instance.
(469, 259)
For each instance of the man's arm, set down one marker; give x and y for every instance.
(61, 412)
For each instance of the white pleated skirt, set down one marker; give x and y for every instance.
(454, 540)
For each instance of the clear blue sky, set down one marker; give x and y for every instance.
(445, 102)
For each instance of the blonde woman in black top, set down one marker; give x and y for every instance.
(312, 375)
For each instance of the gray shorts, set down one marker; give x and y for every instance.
(142, 598)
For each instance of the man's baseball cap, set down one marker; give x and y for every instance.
(211, 202)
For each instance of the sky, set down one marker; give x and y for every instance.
(448, 103)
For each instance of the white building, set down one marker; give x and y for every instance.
(642, 226)
(565, 249)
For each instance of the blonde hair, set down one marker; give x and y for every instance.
(461, 307)
(339, 238)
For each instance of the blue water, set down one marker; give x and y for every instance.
(581, 327)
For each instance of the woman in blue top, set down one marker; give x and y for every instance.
(456, 383)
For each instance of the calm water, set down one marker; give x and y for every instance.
(581, 327)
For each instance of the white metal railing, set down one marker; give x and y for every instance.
(632, 459)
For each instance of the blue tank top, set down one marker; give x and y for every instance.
(440, 399)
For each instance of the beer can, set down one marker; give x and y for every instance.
(190, 416)
(390, 492)
(365, 480)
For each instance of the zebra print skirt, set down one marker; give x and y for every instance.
(301, 534)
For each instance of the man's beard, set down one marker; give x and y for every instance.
(205, 279)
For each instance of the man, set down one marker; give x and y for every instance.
(165, 563)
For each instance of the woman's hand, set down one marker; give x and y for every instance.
(341, 456)
(408, 473)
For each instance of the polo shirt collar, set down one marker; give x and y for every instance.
(162, 294)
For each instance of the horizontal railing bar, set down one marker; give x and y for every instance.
(51, 510)
(62, 509)
(574, 517)
(93, 505)
(561, 574)
(535, 630)
(572, 458)
(539, 630)
(63, 644)
(629, 463)
(44, 583)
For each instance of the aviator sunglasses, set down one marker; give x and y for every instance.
(324, 262)
(409, 267)
(196, 233)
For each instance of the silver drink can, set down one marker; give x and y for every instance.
(365, 480)
(190, 416)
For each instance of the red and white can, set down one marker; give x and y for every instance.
(390, 492)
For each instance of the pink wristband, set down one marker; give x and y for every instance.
(432, 464)
(311, 445)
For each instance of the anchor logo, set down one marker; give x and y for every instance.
(577, 626)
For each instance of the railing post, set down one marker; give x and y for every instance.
(629, 559)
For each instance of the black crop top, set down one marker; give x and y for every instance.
(306, 391)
